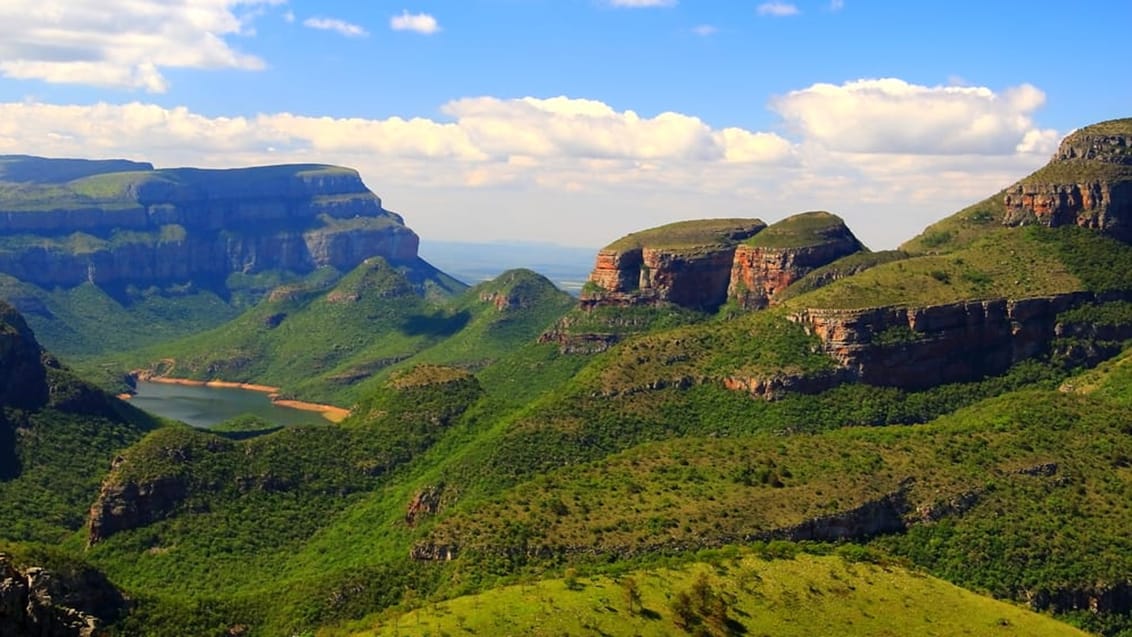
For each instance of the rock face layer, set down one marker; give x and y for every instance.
(785, 252)
(686, 263)
(36, 601)
(1087, 183)
(154, 226)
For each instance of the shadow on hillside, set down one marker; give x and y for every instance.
(435, 324)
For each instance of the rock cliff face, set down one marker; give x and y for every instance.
(36, 601)
(785, 252)
(129, 505)
(921, 347)
(155, 226)
(687, 264)
(23, 376)
(1087, 183)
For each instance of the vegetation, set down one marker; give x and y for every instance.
(690, 235)
(804, 229)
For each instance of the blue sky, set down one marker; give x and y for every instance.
(576, 121)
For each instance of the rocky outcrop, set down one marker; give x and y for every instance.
(190, 225)
(425, 503)
(23, 376)
(130, 504)
(784, 253)
(921, 347)
(1088, 183)
(40, 602)
(686, 264)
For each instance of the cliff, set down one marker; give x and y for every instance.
(686, 264)
(1087, 183)
(768, 263)
(145, 226)
(23, 376)
(46, 603)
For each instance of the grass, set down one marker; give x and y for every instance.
(1010, 265)
(703, 234)
(801, 230)
(806, 595)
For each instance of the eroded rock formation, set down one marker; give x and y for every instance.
(188, 224)
(40, 602)
(1087, 183)
(781, 255)
(129, 504)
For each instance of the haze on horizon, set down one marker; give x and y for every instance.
(576, 121)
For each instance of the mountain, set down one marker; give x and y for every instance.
(121, 239)
(750, 426)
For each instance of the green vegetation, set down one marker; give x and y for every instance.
(804, 229)
(690, 235)
(842, 268)
(741, 594)
(961, 229)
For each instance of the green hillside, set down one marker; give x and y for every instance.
(737, 594)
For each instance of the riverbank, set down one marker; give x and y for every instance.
(329, 412)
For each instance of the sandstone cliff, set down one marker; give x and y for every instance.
(772, 260)
(157, 226)
(45, 603)
(686, 264)
(1087, 183)
(23, 376)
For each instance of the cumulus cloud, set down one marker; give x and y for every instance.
(777, 9)
(121, 43)
(417, 22)
(894, 116)
(588, 172)
(341, 27)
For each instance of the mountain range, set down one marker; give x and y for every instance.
(736, 427)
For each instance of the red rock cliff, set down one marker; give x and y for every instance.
(1087, 183)
(784, 253)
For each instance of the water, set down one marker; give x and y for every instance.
(202, 406)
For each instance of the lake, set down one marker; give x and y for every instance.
(202, 406)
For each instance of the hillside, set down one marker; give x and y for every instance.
(832, 437)
(188, 247)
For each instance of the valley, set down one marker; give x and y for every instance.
(735, 427)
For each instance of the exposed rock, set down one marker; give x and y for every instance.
(201, 225)
(1113, 598)
(23, 375)
(130, 505)
(922, 347)
(779, 385)
(687, 264)
(425, 503)
(947, 507)
(425, 551)
(1087, 183)
(785, 252)
(36, 601)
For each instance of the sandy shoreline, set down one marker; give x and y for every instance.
(329, 412)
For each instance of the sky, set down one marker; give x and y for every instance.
(578, 121)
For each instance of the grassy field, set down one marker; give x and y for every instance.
(744, 595)
(690, 235)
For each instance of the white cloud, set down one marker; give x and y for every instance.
(342, 27)
(417, 22)
(642, 4)
(705, 30)
(836, 5)
(894, 116)
(777, 9)
(585, 172)
(121, 43)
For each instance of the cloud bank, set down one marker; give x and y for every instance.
(587, 172)
(121, 43)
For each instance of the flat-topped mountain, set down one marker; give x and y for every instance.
(65, 222)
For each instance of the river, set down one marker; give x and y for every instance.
(202, 406)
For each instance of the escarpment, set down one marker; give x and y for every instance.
(686, 264)
(771, 261)
(46, 603)
(1088, 183)
(23, 376)
(147, 226)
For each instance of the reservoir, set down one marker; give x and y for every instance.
(202, 406)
